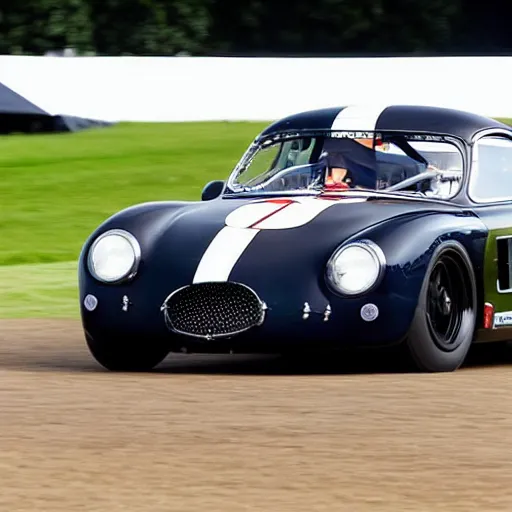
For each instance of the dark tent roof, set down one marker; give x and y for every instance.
(17, 114)
(12, 103)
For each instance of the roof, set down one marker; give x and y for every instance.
(412, 118)
(12, 103)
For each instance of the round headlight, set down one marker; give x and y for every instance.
(114, 256)
(356, 268)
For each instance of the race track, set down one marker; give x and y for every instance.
(246, 433)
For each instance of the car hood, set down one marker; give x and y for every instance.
(238, 239)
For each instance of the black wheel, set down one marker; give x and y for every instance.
(443, 326)
(126, 355)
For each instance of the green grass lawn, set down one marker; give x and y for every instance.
(41, 290)
(55, 189)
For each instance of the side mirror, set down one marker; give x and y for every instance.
(212, 190)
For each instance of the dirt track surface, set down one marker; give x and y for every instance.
(221, 433)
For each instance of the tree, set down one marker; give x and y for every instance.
(254, 27)
(149, 27)
(331, 26)
(37, 26)
(484, 29)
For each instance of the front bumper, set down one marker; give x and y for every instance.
(289, 319)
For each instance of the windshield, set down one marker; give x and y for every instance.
(335, 161)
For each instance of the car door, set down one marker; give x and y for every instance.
(490, 187)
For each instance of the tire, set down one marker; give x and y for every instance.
(444, 322)
(126, 356)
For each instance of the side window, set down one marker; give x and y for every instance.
(491, 174)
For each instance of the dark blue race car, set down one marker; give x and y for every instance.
(341, 227)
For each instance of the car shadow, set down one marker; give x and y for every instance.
(337, 363)
(361, 362)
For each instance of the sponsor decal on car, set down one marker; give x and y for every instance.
(504, 318)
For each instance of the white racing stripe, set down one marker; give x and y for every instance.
(251, 213)
(296, 214)
(302, 211)
(280, 214)
(223, 253)
(230, 242)
(358, 118)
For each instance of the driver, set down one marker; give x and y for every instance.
(338, 178)
(350, 164)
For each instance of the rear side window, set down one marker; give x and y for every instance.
(491, 174)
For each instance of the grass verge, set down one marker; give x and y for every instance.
(39, 291)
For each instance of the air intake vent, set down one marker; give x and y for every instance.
(213, 310)
(504, 249)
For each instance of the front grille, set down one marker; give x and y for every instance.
(213, 310)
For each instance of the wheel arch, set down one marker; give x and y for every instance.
(411, 242)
